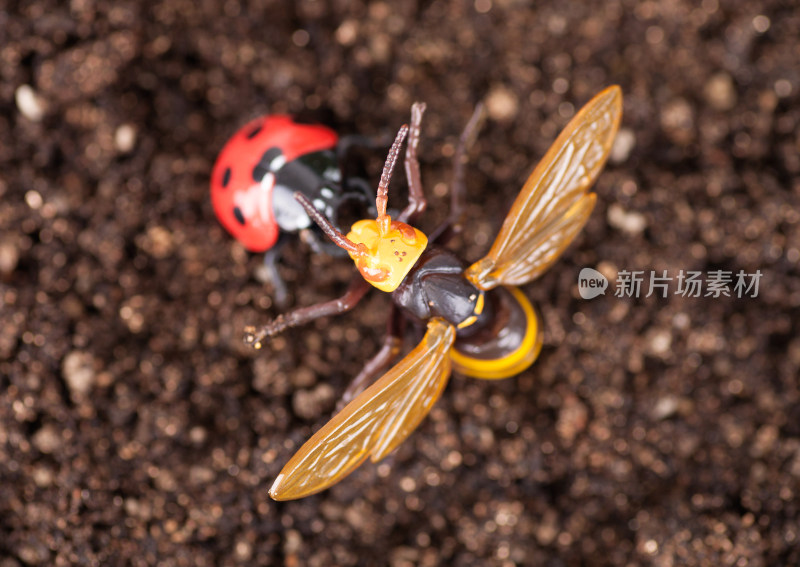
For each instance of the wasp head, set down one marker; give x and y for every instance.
(383, 250)
(386, 250)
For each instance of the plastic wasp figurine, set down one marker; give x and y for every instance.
(263, 165)
(478, 322)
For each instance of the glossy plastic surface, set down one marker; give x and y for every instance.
(513, 350)
(553, 205)
(375, 422)
(390, 254)
(241, 185)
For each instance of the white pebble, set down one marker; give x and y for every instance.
(47, 439)
(9, 257)
(29, 103)
(78, 371)
(660, 342)
(623, 145)
(502, 103)
(630, 222)
(665, 407)
(720, 92)
(125, 138)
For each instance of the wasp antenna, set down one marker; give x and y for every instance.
(391, 159)
(331, 231)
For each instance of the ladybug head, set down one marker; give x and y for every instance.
(383, 250)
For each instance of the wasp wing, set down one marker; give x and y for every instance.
(375, 422)
(553, 205)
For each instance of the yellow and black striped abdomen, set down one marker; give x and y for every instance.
(507, 344)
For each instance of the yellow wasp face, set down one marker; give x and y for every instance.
(387, 250)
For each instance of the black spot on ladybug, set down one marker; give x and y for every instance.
(226, 177)
(263, 165)
(237, 212)
(254, 132)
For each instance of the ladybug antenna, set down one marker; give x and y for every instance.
(331, 231)
(391, 159)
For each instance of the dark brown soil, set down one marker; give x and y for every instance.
(137, 429)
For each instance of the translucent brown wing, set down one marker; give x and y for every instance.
(553, 205)
(375, 422)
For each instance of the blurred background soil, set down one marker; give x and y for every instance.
(137, 429)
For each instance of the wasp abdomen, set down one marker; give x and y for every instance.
(503, 342)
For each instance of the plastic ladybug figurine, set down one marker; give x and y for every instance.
(261, 167)
(478, 322)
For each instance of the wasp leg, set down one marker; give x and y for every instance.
(358, 287)
(416, 197)
(454, 222)
(392, 344)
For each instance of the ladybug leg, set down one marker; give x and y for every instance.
(416, 197)
(358, 195)
(355, 187)
(320, 246)
(392, 344)
(357, 289)
(352, 141)
(454, 222)
(271, 256)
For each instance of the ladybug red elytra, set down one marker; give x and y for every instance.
(260, 168)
